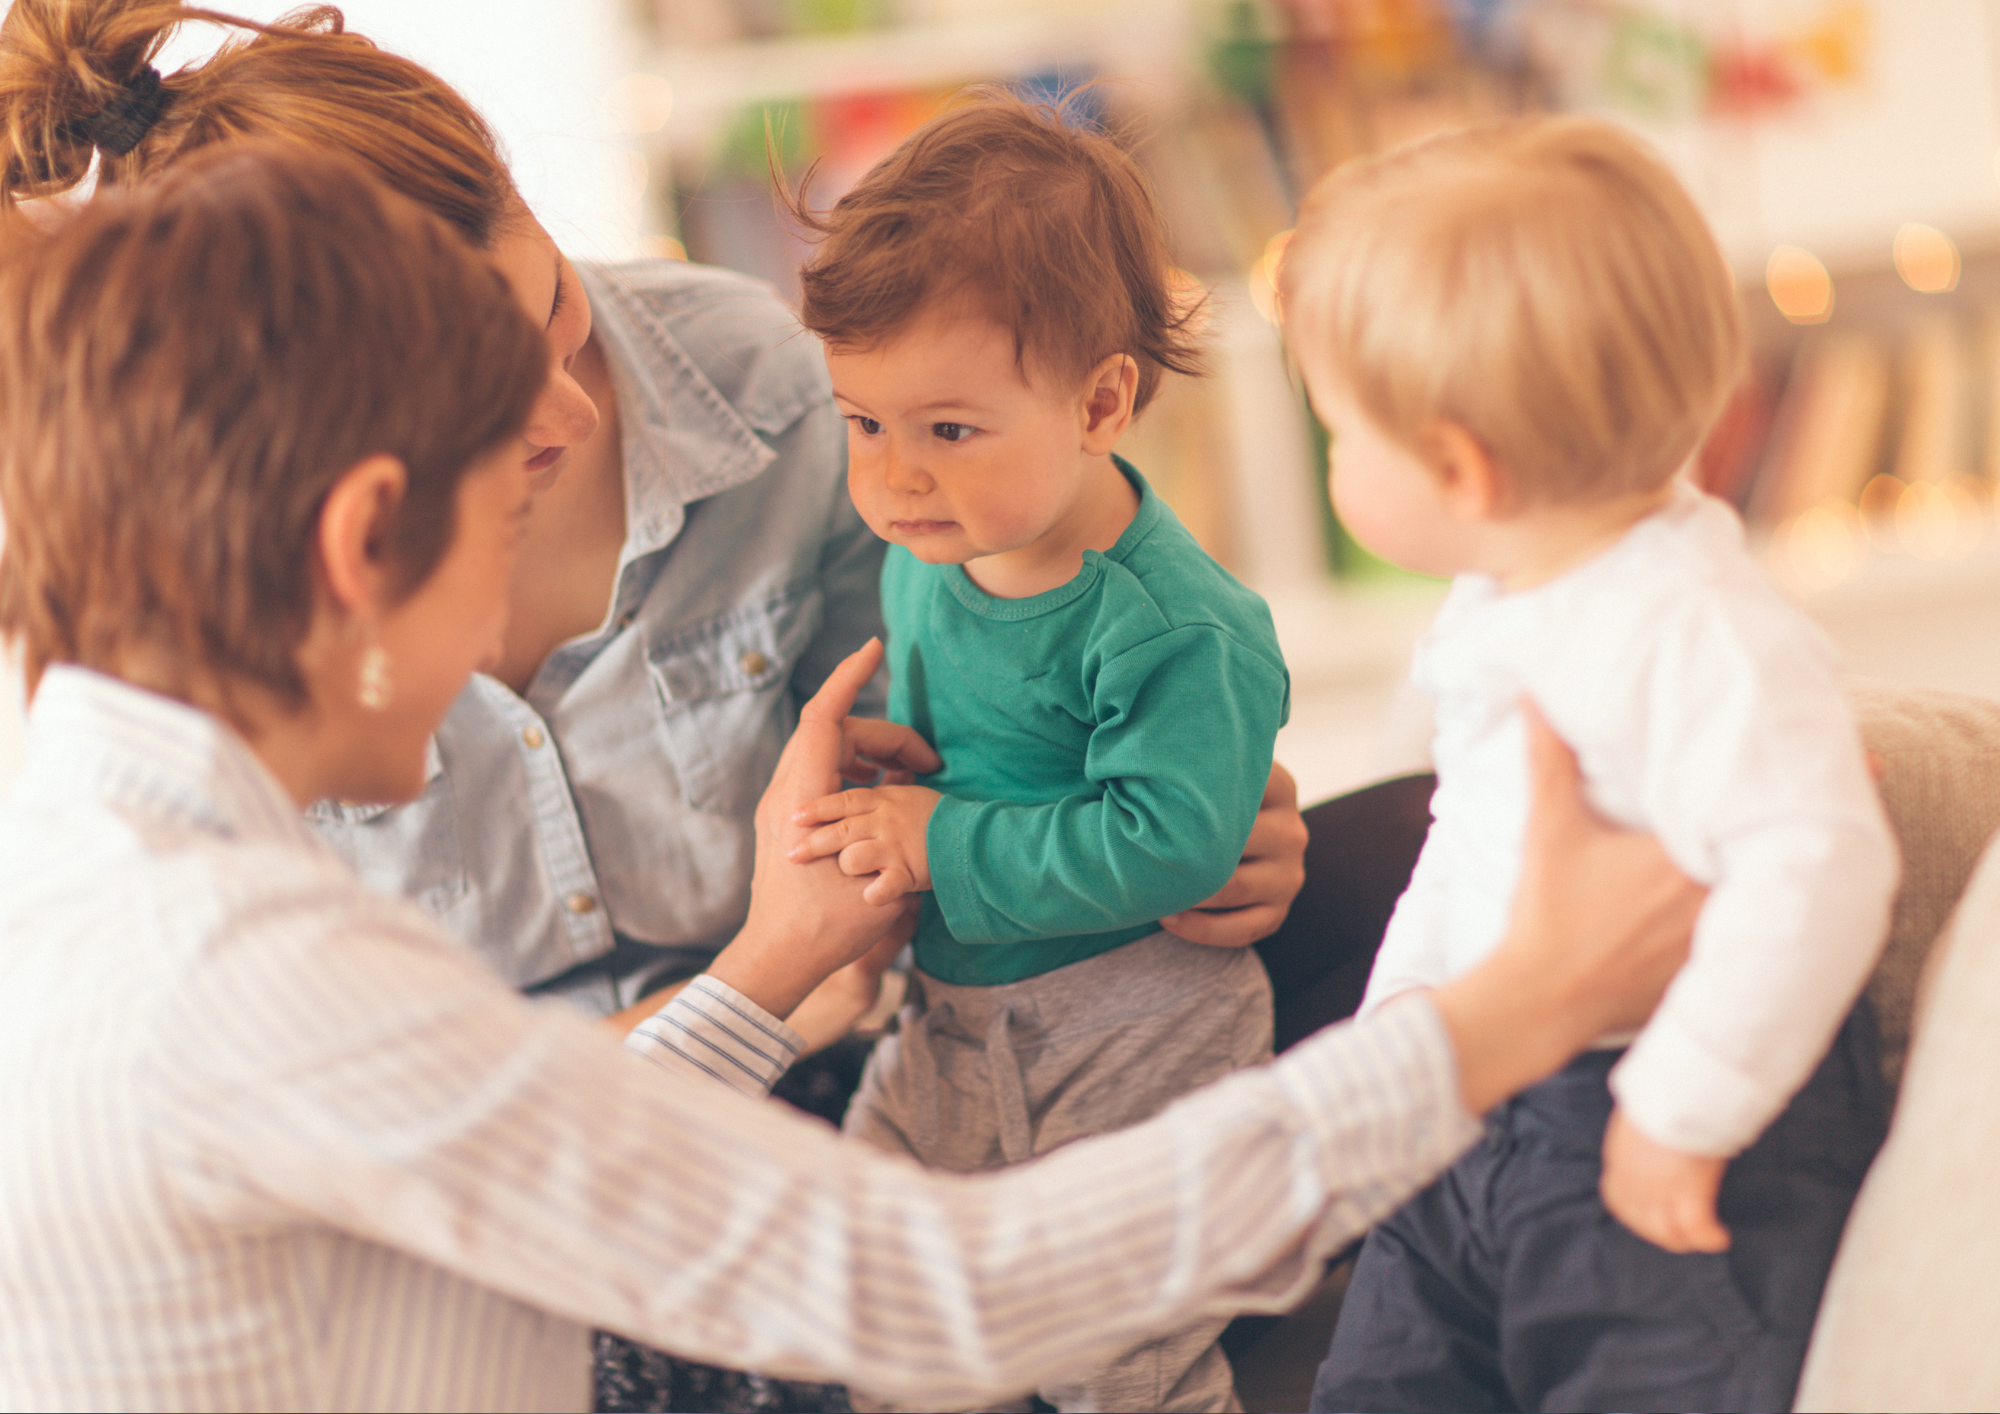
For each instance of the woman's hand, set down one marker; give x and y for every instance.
(1600, 925)
(874, 752)
(806, 920)
(850, 994)
(1272, 871)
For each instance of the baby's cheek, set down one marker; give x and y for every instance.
(864, 489)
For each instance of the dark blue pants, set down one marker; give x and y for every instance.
(1506, 1285)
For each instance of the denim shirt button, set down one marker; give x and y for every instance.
(532, 738)
(580, 904)
(753, 663)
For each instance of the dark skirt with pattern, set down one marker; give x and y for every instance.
(628, 1376)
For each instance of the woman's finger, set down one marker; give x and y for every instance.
(856, 800)
(1256, 881)
(1281, 792)
(866, 857)
(1555, 780)
(1230, 928)
(1604, 901)
(830, 839)
(835, 698)
(1278, 832)
(890, 745)
(809, 766)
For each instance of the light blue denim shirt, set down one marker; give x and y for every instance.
(596, 836)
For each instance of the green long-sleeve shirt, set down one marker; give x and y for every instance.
(1105, 745)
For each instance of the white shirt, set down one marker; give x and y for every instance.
(1706, 709)
(272, 1141)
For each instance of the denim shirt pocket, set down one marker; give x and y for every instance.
(724, 692)
(411, 850)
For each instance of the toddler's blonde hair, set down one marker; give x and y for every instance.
(1544, 283)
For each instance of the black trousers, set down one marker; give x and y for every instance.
(1506, 1285)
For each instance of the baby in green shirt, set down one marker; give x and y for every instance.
(997, 305)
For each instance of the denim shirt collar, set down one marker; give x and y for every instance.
(682, 440)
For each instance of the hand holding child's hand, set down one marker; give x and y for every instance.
(879, 831)
(884, 753)
(1662, 1194)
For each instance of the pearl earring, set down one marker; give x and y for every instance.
(376, 686)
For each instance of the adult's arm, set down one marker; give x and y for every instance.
(1601, 923)
(809, 933)
(363, 1074)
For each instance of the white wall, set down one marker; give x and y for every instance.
(539, 70)
(1840, 171)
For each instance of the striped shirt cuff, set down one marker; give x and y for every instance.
(710, 1029)
(1385, 1097)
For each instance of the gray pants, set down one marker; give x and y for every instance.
(976, 1078)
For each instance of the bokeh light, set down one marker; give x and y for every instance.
(1926, 259)
(640, 103)
(1799, 285)
(1818, 548)
(1264, 278)
(1879, 499)
(1939, 521)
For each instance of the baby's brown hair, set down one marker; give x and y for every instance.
(1041, 224)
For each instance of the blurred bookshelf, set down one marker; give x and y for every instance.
(1844, 151)
(1233, 109)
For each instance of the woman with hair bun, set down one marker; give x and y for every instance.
(691, 573)
(693, 568)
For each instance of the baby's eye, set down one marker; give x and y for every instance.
(950, 431)
(868, 425)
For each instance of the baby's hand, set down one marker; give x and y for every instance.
(879, 831)
(1664, 1195)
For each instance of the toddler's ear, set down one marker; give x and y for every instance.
(1109, 393)
(1475, 488)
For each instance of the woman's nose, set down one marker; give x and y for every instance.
(563, 414)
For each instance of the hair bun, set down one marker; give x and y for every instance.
(76, 76)
(130, 116)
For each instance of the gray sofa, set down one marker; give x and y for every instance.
(1911, 1315)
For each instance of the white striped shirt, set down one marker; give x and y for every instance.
(272, 1141)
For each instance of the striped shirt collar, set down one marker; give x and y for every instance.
(92, 737)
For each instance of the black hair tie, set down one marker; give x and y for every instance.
(126, 119)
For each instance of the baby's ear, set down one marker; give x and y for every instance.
(1475, 487)
(1109, 392)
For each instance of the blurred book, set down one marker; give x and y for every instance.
(1936, 442)
(1827, 436)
